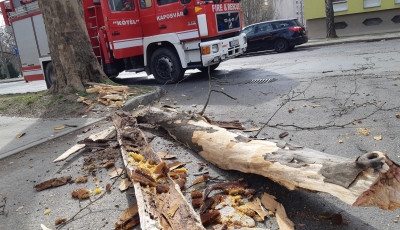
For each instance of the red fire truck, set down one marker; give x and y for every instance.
(161, 37)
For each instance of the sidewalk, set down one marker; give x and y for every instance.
(37, 131)
(352, 39)
(12, 80)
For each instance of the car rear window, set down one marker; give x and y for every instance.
(285, 24)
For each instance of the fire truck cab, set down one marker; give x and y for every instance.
(161, 37)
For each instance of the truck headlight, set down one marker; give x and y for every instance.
(215, 48)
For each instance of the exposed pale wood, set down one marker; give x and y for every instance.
(98, 136)
(272, 205)
(167, 210)
(369, 180)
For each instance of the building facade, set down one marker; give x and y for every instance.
(353, 17)
(284, 9)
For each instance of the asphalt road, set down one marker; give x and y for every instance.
(328, 88)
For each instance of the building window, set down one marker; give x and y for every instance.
(397, 1)
(339, 5)
(371, 3)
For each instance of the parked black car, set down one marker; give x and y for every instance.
(279, 35)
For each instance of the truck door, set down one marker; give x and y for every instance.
(171, 18)
(123, 27)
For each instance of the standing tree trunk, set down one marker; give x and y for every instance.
(71, 52)
(330, 20)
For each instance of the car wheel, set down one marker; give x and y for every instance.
(166, 67)
(49, 75)
(281, 45)
(205, 69)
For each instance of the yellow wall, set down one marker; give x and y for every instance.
(316, 8)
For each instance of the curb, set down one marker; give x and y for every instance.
(317, 44)
(146, 99)
(11, 80)
(129, 106)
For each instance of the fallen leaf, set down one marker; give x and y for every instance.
(116, 172)
(363, 131)
(109, 164)
(130, 212)
(125, 184)
(80, 99)
(97, 191)
(60, 221)
(97, 183)
(397, 115)
(20, 135)
(256, 206)
(47, 211)
(378, 138)
(108, 187)
(164, 155)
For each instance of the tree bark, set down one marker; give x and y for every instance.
(369, 180)
(166, 210)
(71, 51)
(330, 20)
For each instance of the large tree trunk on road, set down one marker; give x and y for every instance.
(369, 180)
(71, 51)
(330, 20)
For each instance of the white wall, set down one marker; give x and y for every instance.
(289, 9)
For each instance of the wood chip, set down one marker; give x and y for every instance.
(378, 138)
(130, 212)
(20, 135)
(252, 129)
(284, 134)
(171, 212)
(52, 183)
(271, 204)
(81, 180)
(59, 127)
(363, 131)
(175, 165)
(165, 156)
(80, 193)
(256, 206)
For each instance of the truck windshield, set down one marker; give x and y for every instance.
(121, 5)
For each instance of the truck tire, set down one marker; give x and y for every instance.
(166, 66)
(205, 69)
(49, 75)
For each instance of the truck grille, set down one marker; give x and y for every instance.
(228, 21)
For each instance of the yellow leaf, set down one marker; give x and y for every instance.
(97, 191)
(59, 127)
(47, 211)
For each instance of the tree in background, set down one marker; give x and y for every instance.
(330, 19)
(7, 53)
(72, 55)
(254, 11)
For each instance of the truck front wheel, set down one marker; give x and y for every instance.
(49, 75)
(166, 66)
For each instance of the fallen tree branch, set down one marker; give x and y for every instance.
(369, 180)
(164, 208)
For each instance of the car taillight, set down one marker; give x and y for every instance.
(296, 28)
